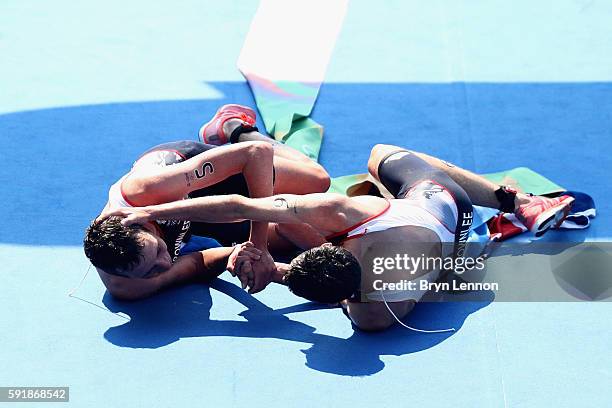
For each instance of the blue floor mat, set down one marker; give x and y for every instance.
(86, 88)
(224, 340)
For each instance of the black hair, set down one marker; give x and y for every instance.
(326, 274)
(113, 247)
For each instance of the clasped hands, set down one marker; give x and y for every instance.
(255, 268)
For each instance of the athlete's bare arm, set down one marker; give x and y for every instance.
(195, 267)
(325, 212)
(153, 185)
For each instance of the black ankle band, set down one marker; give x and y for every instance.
(505, 195)
(240, 130)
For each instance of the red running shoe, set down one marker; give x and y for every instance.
(212, 132)
(543, 213)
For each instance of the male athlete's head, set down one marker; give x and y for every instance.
(132, 251)
(326, 274)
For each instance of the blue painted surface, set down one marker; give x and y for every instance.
(559, 130)
(85, 88)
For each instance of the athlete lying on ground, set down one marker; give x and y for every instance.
(139, 262)
(433, 205)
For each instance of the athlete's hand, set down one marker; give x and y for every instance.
(130, 215)
(262, 273)
(243, 254)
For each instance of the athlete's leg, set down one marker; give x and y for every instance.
(480, 190)
(538, 214)
(407, 175)
(296, 173)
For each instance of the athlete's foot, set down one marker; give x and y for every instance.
(539, 214)
(215, 132)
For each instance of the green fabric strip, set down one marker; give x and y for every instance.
(525, 180)
(522, 178)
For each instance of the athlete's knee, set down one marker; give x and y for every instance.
(321, 178)
(378, 153)
(380, 149)
(317, 180)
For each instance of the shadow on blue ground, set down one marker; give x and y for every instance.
(61, 161)
(185, 312)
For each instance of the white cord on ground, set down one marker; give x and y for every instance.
(73, 291)
(80, 283)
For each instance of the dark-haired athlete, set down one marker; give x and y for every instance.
(127, 259)
(433, 205)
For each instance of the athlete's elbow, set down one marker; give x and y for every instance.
(138, 188)
(260, 151)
